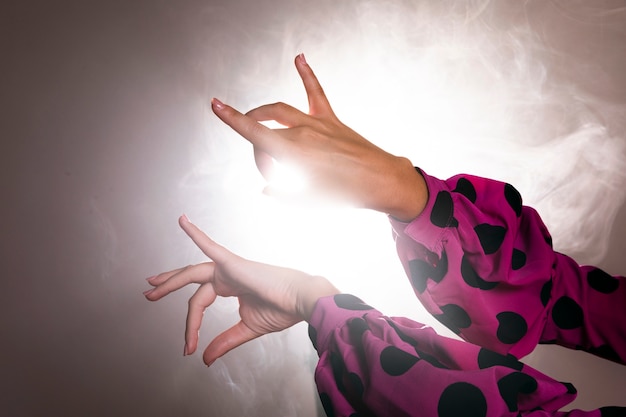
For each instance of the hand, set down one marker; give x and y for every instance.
(271, 298)
(337, 161)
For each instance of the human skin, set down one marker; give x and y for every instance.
(271, 298)
(338, 162)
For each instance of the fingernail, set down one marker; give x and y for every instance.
(217, 104)
(302, 58)
(145, 293)
(185, 218)
(150, 278)
(185, 351)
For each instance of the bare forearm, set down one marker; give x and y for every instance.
(406, 194)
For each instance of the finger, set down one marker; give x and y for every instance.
(281, 113)
(206, 244)
(227, 341)
(203, 298)
(255, 132)
(198, 274)
(163, 276)
(318, 103)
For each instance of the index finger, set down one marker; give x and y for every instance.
(211, 249)
(256, 133)
(318, 103)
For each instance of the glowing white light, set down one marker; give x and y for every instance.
(288, 178)
(448, 92)
(284, 177)
(455, 86)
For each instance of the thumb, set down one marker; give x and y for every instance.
(227, 341)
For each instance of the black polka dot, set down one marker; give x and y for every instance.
(465, 187)
(490, 237)
(430, 359)
(518, 260)
(570, 388)
(339, 368)
(350, 302)
(356, 385)
(401, 334)
(457, 314)
(357, 327)
(606, 352)
(488, 358)
(327, 404)
(421, 271)
(514, 384)
(395, 361)
(313, 336)
(567, 314)
(454, 318)
(511, 328)
(602, 282)
(546, 292)
(472, 279)
(443, 210)
(462, 399)
(514, 199)
(612, 411)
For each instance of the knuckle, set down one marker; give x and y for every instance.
(280, 106)
(194, 304)
(254, 130)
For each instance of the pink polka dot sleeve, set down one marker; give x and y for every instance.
(372, 365)
(482, 263)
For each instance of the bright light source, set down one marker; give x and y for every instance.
(287, 177)
(284, 177)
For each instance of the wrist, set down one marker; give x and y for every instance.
(408, 192)
(309, 292)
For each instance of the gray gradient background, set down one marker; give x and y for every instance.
(106, 137)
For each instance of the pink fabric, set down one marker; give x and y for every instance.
(483, 264)
(372, 365)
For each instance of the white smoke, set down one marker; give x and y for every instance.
(455, 86)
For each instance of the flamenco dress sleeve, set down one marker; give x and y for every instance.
(373, 365)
